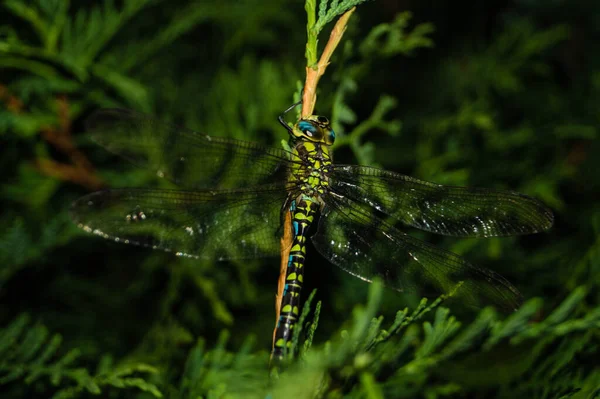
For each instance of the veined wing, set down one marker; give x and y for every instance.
(187, 158)
(353, 238)
(453, 211)
(227, 224)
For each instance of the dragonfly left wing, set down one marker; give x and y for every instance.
(355, 239)
(448, 210)
(227, 224)
(189, 159)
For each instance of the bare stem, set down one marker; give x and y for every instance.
(314, 73)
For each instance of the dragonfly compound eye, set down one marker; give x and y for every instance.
(331, 137)
(309, 130)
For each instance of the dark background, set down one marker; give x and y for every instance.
(497, 94)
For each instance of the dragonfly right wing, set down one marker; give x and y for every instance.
(352, 237)
(448, 210)
(189, 159)
(227, 224)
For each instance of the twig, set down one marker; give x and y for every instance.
(13, 104)
(81, 171)
(314, 73)
(61, 138)
(67, 172)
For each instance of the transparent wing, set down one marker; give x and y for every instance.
(353, 238)
(187, 158)
(229, 224)
(453, 211)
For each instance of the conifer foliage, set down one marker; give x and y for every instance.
(504, 95)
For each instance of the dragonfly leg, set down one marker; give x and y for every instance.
(282, 121)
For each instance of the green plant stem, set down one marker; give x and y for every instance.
(314, 72)
(311, 43)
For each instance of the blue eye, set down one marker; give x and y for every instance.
(307, 128)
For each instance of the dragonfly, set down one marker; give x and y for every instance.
(237, 199)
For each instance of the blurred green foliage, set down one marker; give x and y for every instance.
(503, 95)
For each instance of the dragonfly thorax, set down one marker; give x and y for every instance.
(310, 175)
(314, 128)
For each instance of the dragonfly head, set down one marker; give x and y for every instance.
(314, 128)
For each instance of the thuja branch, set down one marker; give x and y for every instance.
(314, 69)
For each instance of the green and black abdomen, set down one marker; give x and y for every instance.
(302, 212)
